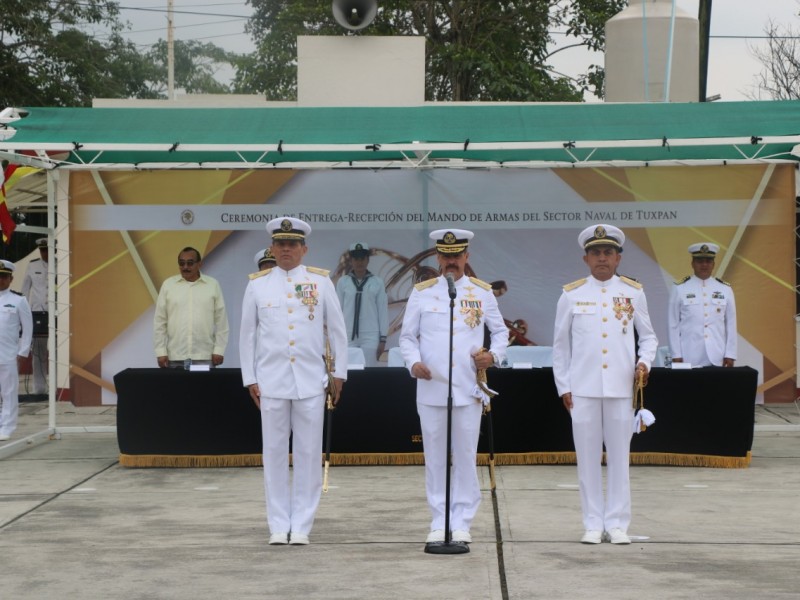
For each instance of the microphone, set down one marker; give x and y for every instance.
(451, 286)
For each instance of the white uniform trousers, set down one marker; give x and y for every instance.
(39, 366)
(291, 508)
(9, 397)
(368, 342)
(596, 421)
(465, 492)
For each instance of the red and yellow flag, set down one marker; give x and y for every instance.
(10, 177)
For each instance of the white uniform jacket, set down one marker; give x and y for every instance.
(34, 286)
(593, 343)
(702, 321)
(373, 317)
(15, 314)
(281, 341)
(425, 336)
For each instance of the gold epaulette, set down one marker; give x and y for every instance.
(259, 274)
(722, 281)
(424, 285)
(575, 284)
(481, 284)
(684, 280)
(631, 282)
(318, 271)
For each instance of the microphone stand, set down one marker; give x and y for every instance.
(448, 546)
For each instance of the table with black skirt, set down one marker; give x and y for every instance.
(173, 417)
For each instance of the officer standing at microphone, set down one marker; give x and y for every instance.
(425, 344)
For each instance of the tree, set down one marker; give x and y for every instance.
(195, 66)
(47, 57)
(780, 78)
(476, 49)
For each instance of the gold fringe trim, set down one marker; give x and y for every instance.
(169, 461)
(417, 458)
(690, 460)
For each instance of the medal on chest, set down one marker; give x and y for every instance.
(471, 308)
(623, 311)
(308, 295)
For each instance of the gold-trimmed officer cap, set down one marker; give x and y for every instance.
(601, 235)
(6, 266)
(451, 241)
(41, 243)
(703, 250)
(288, 228)
(359, 250)
(264, 256)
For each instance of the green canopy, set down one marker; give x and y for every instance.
(447, 135)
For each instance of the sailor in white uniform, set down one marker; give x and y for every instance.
(425, 345)
(34, 288)
(702, 314)
(365, 305)
(16, 329)
(594, 365)
(281, 348)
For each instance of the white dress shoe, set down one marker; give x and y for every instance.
(459, 535)
(617, 536)
(437, 535)
(298, 539)
(591, 536)
(279, 539)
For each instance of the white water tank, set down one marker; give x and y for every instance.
(638, 43)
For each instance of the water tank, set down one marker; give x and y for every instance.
(638, 54)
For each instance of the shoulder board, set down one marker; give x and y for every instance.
(722, 281)
(424, 285)
(259, 274)
(575, 284)
(631, 282)
(684, 280)
(36, 260)
(481, 284)
(16, 292)
(317, 271)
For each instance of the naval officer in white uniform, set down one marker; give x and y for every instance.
(281, 349)
(702, 314)
(594, 366)
(425, 343)
(16, 330)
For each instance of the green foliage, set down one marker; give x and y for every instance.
(48, 57)
(486, 50)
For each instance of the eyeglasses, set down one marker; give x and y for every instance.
(186, 263)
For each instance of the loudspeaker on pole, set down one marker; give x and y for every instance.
(354, 14)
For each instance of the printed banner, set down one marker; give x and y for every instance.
(526, 223)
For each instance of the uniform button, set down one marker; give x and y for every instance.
(291, 359)
(288, 295)
(291, 326)
(605, 335)
(291, 342)
(290, 311)
(605, 319)
(289, 279)
(605, 350)
(603, 290)
(605, 366)
(604, 304)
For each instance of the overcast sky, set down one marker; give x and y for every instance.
(737, 26)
